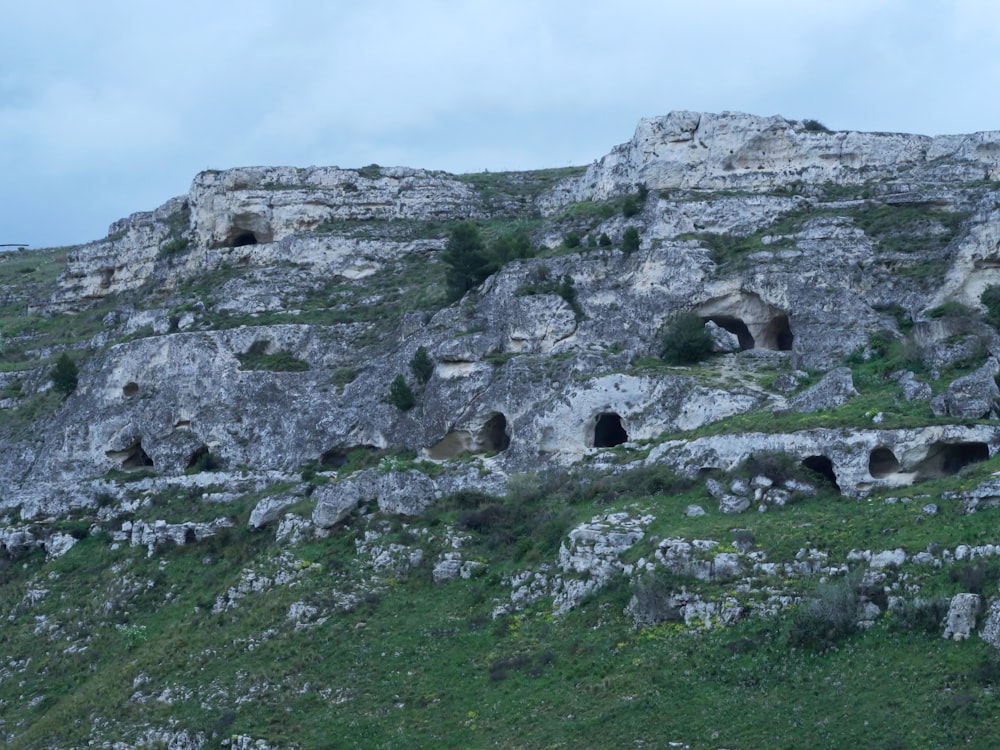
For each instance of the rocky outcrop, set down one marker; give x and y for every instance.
(732, 150)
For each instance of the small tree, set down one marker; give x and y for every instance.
(630, 241)
(64, 375)
(422, 365)
(400, 394)
(685, 340)
(467, 261)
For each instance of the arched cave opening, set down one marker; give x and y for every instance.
(882, 462)
(493, 437)
(777, 334)
(736, 327)
(946, 459)
(133, 458)
(243, 239)
(822, 466)
(609, 431)
(130, 389)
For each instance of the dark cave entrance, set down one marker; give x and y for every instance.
(777, 334)
(882, 462)
(133, 458)
(609, 431)
(493, 436)
(130, 389)
(736, 327)
(946, 459)
(822, 466)
(243, 239)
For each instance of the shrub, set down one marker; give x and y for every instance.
(630, 207)
(468, 264)
(281, 361)
(64, 375)
(174, 246)
(604, 240)
(422, 365)
(630, 241)
(400, 394)
(651, 600)
(685, 340)
(830, 615)
(511, 246)
(991, 301)
(815, 126)
(572, 239)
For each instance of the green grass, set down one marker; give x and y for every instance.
(419, 664)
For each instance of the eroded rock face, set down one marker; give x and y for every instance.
(734, 150)
(253, 205)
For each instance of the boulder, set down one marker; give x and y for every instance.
(972, 396)
(961, 620)
(834, 389)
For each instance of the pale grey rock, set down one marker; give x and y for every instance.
(723, 341)
(335, 502)
(961, 619)
(694, 511)
(913, 389)
(451, 565)
(919, 451)
(972, 396)
(834, 389)
(715, 488)
(271, 509)
(733, 504)
(58, 544)
(888, 559)
(990, 631)
(740, 487)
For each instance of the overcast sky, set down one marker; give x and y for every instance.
(109, 107)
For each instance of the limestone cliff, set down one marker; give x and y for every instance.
(238, 350)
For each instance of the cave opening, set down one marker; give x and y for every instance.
(133, 458)
(493, 436)
(130, 389)
(243, 239)
(882, 462)
(609, 431)
(823, 466)
(777, 334)
(946, 459)
(736, 327)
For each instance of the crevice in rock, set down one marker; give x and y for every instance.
(882, 462)
(777, 334)
(823, 466)
(609, 430)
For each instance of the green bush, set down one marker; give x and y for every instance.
(828, 616)
(64, 375)
(685, 340)
(572, 239)
(467, 263)
(630, 241)
(400, 394)
(282, 361)
(991, 301)
(604, 240)
(422, 365)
